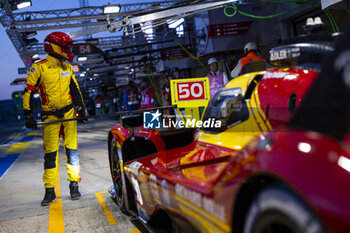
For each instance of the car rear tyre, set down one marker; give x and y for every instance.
(117, 177)
(276, 210)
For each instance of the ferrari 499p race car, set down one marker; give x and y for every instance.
(254, 174)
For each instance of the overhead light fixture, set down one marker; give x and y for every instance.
(82, 75)
(175, 23)
(24, 4)
(111, 9)
(92, 41)
(16, 5)
(29, 34)
(30, 41)
(82, 58)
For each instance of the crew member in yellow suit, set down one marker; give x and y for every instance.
(60, 99)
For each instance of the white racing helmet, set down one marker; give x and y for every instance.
(250, 46)
(212, 60)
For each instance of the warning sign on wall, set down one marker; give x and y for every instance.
(228, 29)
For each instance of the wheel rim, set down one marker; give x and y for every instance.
(116, 174)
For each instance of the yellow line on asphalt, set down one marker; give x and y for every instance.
(91, 153)
(17, 148)
(105, 208)
(105, 124)
(135, 230)
(32, 133)
(58, 180)
(96, 213)
(15, 135)
(56, 222)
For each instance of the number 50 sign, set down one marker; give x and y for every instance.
(190, 93)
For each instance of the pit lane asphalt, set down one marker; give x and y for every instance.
(8, 128)
(21, 187)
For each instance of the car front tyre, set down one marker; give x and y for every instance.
(277, 210)
(117, 177)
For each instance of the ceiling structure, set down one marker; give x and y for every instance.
(18, 25)
(113, 57)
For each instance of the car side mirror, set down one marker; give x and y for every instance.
(132, 121)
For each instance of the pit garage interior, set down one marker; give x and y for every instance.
(138, 40)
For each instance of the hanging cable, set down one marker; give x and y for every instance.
(332, 21)
(152, 81)
(192, 56)
(335, 23)
(235, 8)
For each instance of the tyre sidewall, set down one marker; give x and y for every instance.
(121, 204)
(277, 200)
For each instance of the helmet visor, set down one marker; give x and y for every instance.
(69, 47)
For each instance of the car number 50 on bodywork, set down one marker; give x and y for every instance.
(190, 92)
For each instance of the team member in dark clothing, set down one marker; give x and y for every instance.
(130, 100)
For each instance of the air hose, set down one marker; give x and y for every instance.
(234, 7)
(235, 11)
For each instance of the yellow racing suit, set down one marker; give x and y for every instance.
(59, 93)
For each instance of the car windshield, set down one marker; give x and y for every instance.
(227, 106)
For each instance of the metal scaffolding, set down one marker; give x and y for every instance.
(93, 20)
(6, 17)
(70, 18)
(17, 23)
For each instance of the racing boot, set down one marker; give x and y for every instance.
(74, 190)
(50, 196)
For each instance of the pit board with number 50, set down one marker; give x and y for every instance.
(190, 93)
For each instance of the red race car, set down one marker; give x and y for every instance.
(254, 174)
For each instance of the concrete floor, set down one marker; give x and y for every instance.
(21, 188)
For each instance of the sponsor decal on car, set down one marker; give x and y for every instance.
(275, 75)
(142, 214)
(200, 201)
(154, 189)
(137, 190)
(165, 192)
(134, 167)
